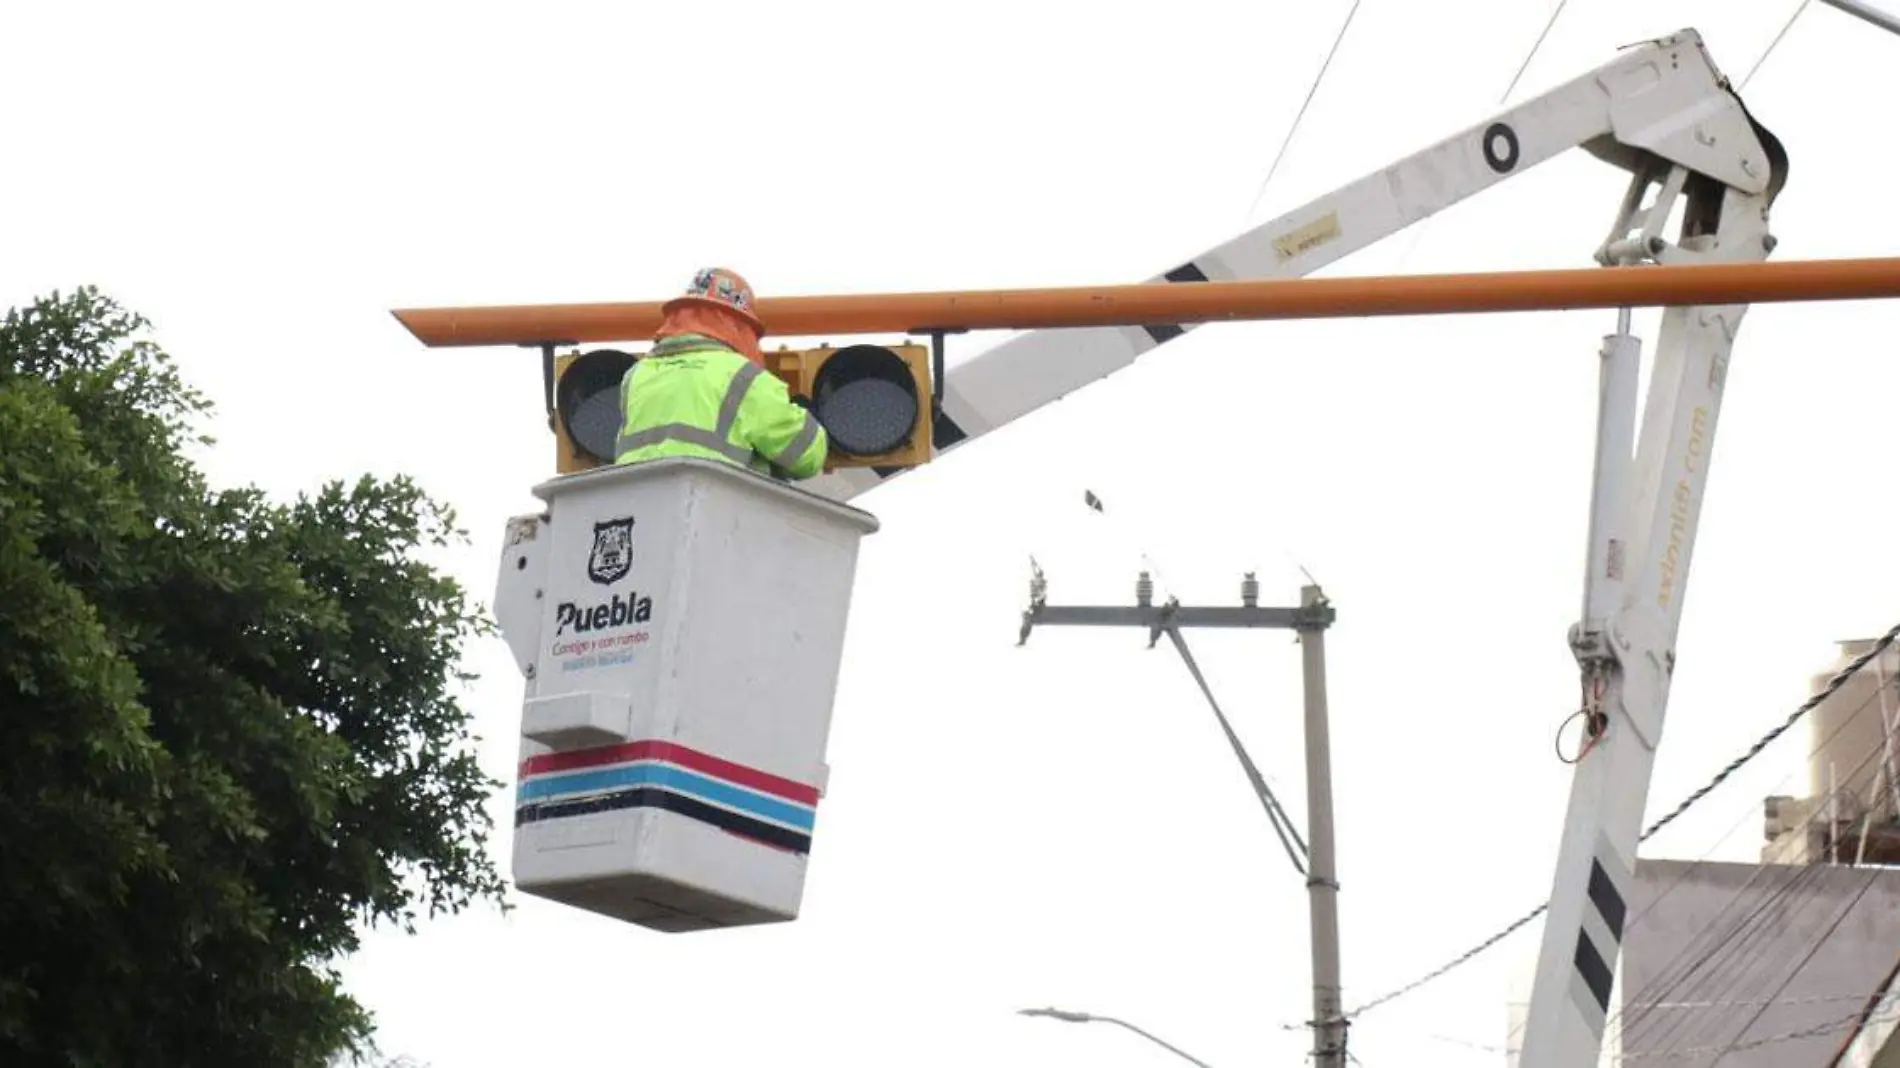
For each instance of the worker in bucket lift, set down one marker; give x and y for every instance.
(703, 390)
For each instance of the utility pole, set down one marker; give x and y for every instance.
(1329, 1027)
(1310, 621)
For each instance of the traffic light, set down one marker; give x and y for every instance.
(874, 401)
(586, 412)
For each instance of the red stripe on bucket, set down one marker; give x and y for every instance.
(706, 763)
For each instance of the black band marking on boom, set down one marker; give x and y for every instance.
(1166, 332)
(1609, 903)
(1596, 973)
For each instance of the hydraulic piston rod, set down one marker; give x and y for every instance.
(1157, 303)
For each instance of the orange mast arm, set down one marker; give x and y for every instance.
(1199, 302)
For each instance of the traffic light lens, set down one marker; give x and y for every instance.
(866, 399)
(588, 399)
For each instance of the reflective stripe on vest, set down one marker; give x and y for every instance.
(716, 439)
(799, 443)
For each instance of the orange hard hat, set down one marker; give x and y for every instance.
(720, 288)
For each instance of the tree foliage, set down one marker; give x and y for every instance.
(229, 731)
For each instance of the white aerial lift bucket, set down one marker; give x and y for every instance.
(680, 623)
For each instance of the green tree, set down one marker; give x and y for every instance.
(229, 732)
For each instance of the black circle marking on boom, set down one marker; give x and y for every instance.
(1500, 147)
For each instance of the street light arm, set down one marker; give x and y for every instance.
(1083, 1017)
(1164, 1045)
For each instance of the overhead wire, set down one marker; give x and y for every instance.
(1669, 975)
(1806, 958)
(1772, 45)
(1868, 1013)
(1712, 974)
(1536, 46)
(1721, 972)
(1834, 684)
(1847, 1025)
(1520, 922)
(1418, 232)
(1821, 811)
(1311, 91)
(1762, 743)
(1886, 993)
(1839, 680)
(1666, 980)
(1767, 739)
(1737, 960)
(1842, 1023)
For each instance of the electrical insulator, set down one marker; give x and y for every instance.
(1038, 588)
(1250, 590)
(1144, 590)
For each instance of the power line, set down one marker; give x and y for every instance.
(1669, 977)
(1733, 766)
(1884, 994)
(1661, 984)
(1528, 56)
(1418, 233)
(1732, 962)
(1825, 1027)
(1310, 92)
(1664, 983)
(1840, 679)
(1814, 948)
(1867, 1002)
(1785, 27)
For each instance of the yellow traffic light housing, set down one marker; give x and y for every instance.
(874, 401)
(585, 414)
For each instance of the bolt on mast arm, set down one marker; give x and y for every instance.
(1663, 99)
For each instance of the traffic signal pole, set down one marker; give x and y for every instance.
(1310, 621)
(1198, 302)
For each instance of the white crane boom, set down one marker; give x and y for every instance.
(1662, 112)
(1663, 99)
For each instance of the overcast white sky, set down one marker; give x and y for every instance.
(1062, 823)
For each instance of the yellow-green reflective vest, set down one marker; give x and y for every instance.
(693, 396)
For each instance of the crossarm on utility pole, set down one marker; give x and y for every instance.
(1311, 619)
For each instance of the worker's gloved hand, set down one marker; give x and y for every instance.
(802, 401)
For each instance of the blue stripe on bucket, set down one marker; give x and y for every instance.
(670, 777)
